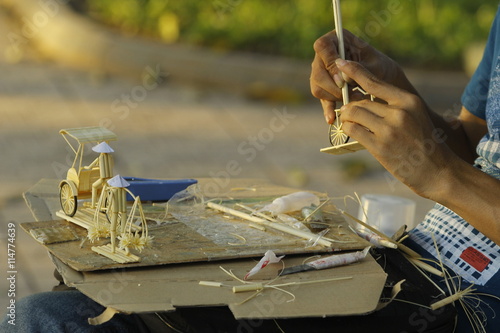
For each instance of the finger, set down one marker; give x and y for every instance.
(359, 133)
(326, 49)
(378, 109)
(346, 78)
(322, 83)
(320, 93)
(334, 77)
(369, 82)
(328, 110)
(365, 117)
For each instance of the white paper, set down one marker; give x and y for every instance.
(268, 258)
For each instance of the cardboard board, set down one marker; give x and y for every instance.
(163, 288)
(167, 285)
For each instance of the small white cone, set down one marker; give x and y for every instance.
(103, 147)
(118, 181)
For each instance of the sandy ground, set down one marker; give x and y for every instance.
(164, 131)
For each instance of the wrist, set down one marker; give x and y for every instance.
(443, 179)
(452, 181)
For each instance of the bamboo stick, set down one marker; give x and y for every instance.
(337, 16)
(426, 267)
(400, 246)
(452, 298)
(281, 227)
(248, 287)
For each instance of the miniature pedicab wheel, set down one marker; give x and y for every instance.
(108, 207)
(337, 135)
(67, 198)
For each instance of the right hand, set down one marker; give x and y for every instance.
(326, 80)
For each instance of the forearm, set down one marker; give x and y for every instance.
(472, 194)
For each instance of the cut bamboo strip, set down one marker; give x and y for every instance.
(83, 221)
(103, 317)
(281, 227)
(248, 287)
(425, 266)
(210, 284)
(400, 246)
(452, 298)
(118, 255)
(256, 213)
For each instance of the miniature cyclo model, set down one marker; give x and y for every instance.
(83, 182)
(109, 194)
(86, 181)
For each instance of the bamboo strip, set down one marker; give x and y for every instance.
(248, 287)
(103, 317)
(118, 255)
(426, 267)
(281, 227)
(210, 284)
(256, 213)
(451, 298)
(400, 246)
(340, 36)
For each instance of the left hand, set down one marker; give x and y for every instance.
(326, 80)
(399, 134)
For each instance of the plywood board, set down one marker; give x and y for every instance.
(213, 237)
(194, 235)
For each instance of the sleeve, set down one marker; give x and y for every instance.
(475, 95)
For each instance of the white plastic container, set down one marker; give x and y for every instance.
(291, 203)
(387, 213)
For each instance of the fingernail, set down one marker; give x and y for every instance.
(339, 81)
(345, 77)
(329, 119)
(340, 62)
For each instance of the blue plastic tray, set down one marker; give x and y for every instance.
(156, 189)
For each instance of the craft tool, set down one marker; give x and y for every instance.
(327, 262)
(336, 134)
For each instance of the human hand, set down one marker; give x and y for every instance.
(399, 134)
(326, 80)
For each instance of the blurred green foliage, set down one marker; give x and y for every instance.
(414, 32)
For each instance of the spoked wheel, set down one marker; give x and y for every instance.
(337, 135)
(68, 199)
